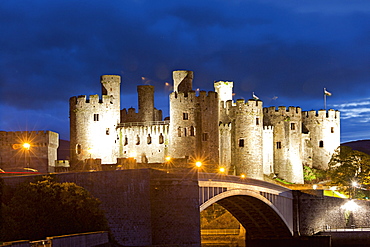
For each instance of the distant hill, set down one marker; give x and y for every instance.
(63, 150)
(362, 145)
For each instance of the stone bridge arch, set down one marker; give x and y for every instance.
(260, 218)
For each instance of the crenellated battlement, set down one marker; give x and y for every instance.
(268, 128)
(321, 114)
(191, 95)
(283, 111)
(243, 106)
(94, 99)
(154, 129)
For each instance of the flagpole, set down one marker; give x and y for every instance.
(325, 101)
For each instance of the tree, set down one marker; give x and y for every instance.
(48, 208)
(347, 166)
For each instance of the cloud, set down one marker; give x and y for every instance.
(53, 50)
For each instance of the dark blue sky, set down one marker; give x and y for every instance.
(284, 51)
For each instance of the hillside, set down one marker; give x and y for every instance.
(362, 145)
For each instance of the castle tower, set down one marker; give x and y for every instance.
(93, 123)
(287, 137)
(324, 130)
(194, 121)
(146, 102)
(247, 139)
(224, 89)
(182, 81)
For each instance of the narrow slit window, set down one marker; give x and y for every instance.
(126, 141)
(137, 140)
(205, 137)
(192, 131)
(278, 145)
(321, 144)
(257, 121)
(241, 142)
(179, 132)
(332, 129)
(96, 117)
(292, 126)
(185, 116)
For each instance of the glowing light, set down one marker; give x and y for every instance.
(350, 206)
(242, 176)
(132, 154)
(222, 169)
(168, 158)
(314, 186)
(90, 151)
(354, 184)
(27, 145)
(198, 164)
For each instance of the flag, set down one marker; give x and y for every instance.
(255, 97)
(326, 92)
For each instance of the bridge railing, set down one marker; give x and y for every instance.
(220, 231)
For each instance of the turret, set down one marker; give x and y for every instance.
(287, 134)
(146, 102)
(182, 81)
(324, 131)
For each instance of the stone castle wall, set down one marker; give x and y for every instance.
(148, 144)
(324, 128)
(287, 140)
(241, 136)
(40, 156)
(93, 123)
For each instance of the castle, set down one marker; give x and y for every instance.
(242, 136)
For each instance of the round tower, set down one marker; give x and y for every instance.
(111, 85)
(194, 121)
(247, 138)
(182, 81)
(324, 132)
(224, 89)
(287, 138)
(93, 123)
(146, 102)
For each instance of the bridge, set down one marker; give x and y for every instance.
(147, 207)
(264, 209)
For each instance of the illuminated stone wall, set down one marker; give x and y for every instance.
(93, 123)
(246, 137)
(41, 155)
(147, 144)
(324, 128)
(194, 122)
(241, 136)
(287, 141)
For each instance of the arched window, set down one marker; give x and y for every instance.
(321, 144)
(149, 139)
(161, 139)
(78, 149)
(192, 131)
